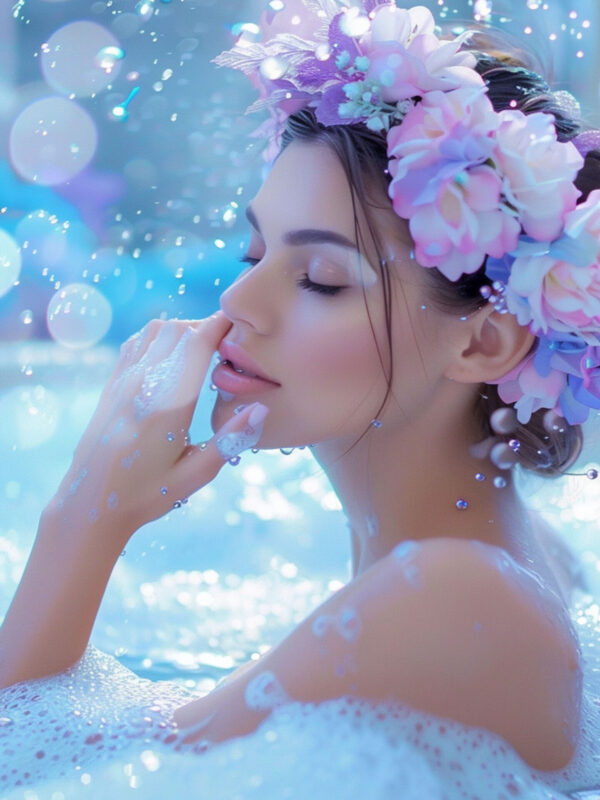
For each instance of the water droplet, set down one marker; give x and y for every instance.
(145, 9)
(462, 504)
(234, 461)
(163, 490)
(170, 437)
(592, 474)
(499, 482)
(479, 476)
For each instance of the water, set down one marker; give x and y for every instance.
(202, 591)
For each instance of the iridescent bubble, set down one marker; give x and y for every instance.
(51, 141)
(107, 57)
(353, 23)
(70, 62)
(10, 262)
(78, 316)
(42, 239)
(273, 68)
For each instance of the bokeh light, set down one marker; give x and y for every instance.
(10, 262)
(52, 140)
(30, 415)
(78, 316)
(81, 58)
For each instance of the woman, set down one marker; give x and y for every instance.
(389, 370)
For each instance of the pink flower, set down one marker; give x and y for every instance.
(407, 59)
(457, 124)
(530, 391)
(442, 184)
(538, 172)
(559, 289)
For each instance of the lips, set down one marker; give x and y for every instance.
(240, 360)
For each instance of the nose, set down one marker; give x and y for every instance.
(247, 298)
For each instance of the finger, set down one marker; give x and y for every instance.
(199, 464)
(175, 382)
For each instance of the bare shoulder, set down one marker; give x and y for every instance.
(445, 626)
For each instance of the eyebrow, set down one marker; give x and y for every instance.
(307, 235)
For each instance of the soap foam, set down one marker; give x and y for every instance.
(98, 730)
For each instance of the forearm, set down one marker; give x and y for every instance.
(49, 622)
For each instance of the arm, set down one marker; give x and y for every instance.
(443, 628)
(49, 622)
(134, 447)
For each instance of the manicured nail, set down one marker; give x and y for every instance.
(258, 414)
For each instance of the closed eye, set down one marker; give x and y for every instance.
(304, 282)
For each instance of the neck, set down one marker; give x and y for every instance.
(403, 481)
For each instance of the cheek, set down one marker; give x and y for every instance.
(342, 358)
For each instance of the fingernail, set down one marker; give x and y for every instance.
(258, 414)
(232, 444)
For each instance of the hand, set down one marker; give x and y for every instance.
(134, 460)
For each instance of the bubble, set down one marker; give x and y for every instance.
(42, 239)
(504, 420)
(10, 262)
(78, 316)
(29, 416)
(273, 68)
(108, 57)
(499, 482)
(503, 456)
(462, 504)
(353, 23)
(71, 64)
(26, 316)
(322, 52)
(51, 141)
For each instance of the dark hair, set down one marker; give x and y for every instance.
(363, 155)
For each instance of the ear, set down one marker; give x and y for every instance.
(495, 344)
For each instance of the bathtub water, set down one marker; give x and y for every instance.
(203, 590)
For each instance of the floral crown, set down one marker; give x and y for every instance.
(474, 184)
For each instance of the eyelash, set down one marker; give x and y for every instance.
(304, 283)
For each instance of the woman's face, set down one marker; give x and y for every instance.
(318, 345)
